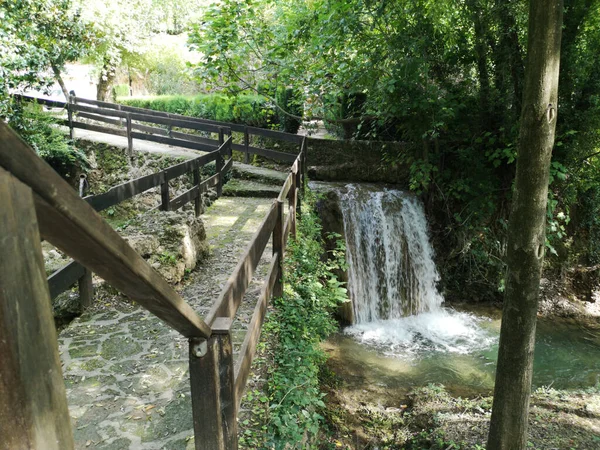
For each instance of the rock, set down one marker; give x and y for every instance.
(65, 307)
(144, 244)
(172, 242)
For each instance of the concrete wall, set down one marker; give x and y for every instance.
(366, 161)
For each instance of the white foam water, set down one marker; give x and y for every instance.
(443, 330)
(392, 278)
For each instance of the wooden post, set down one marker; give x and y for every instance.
(221, 136)
(218, 169)
(246, 145)
(33, 403)
(212, 384)
(129, 137)
(164, 194)
(70, 102)
(292, 200)
(197, 200)
(303, 163)
(86, 289)
(299, 188)
(278, 248)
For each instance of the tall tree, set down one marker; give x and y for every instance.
(527, 225)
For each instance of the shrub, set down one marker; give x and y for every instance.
(301, 320)
(251, 110)
(291, 101)
(38, 130)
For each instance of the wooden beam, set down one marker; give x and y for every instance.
(280, 135)
(213, 395)
(124, 191)
(73, 226)
(184, 198)
(33, 403)
(271, 154)
(231, 296)
(64, 278)
(248, 350)
(100, 129)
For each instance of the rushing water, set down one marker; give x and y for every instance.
(391, 273)
(403, 336)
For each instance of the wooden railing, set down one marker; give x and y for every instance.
(64, 278)
(38, 203)
(133, 123)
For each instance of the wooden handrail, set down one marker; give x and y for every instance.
(72, 225)
(231, 296)
(69, 223)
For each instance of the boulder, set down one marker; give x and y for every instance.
(172, 242)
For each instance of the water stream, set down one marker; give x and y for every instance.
(404, 337)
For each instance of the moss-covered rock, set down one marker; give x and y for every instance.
(172, 242)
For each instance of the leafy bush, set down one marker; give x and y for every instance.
(121, 90)
(301, 320)
(244, 109)
(291, 101)
(38, 130)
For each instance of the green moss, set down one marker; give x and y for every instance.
(119, 347)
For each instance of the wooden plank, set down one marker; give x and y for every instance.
(41, 101)
(69, 223)
(212, 385)
(272, 154)
(283, 194)
(100, 129)
(33, 402)
(198, 199)
(248, 349)
(227, 167)
(246, 146)
(129, 138)
(194, 138)
(286, 229)
(231, 296)
(64, 278)
(98, 111)
(117, 194)
(184, 198)
(175, 142)
(181, 123)
(275, 135)
(188, 166)
(219, 171)
(209, 182)
(88, 101)
(278, 249)
(116, 122)
(86, 289)
(151, 130)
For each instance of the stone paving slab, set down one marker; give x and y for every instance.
(126, 373)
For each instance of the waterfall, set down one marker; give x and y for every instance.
(391, 273)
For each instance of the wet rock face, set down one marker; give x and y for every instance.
(332, 221)
(172, 242)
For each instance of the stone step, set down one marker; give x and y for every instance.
(248, 188)
(260, 174)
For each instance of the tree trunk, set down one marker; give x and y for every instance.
(107, 76)
(60, 81)
(526, 238)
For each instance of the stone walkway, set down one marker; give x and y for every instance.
(126, 372)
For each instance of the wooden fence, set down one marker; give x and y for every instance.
(72, 273)
(145, 124)
(38, 203)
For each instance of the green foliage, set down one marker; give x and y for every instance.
(39, 131)
(247, 109)
(301, 319)
(291, 102)
(36, 38)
